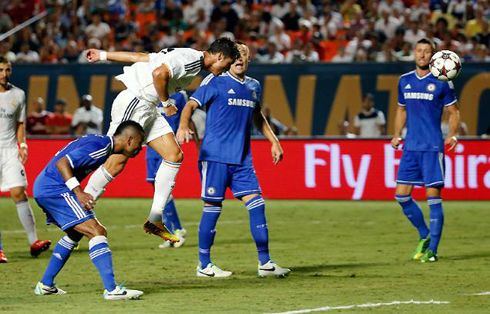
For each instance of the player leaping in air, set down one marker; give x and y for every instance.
(421, 100)
(233, 101)
(150, 81)
(57, 191)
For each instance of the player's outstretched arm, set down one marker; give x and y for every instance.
(95, 55)
(400, 120)
(454, 121)
(265, 128)
(184, 133)
(85, 199)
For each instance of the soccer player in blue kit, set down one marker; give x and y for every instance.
(58, 192)
(233, 101)
(421, 100)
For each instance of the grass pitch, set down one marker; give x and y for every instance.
(340, 253)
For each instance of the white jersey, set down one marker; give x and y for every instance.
(183, 63)
(12, 110)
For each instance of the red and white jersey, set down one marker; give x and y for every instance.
(12, 110)
(183, 63)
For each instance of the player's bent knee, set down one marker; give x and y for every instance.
(18, 194)
(176, 156)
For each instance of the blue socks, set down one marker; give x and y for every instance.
(171, 217)
(259, 228)
(60, 255)
(413, 213)
(102, 258)
(207, 232)
(436, 222)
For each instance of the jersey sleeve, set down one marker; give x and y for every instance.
(381, 118)
(357, 121)
(21, 116)
(401, 97)
(259, 95)
(449, 97)
(205, 94)
(88, 154)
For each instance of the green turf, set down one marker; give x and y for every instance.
(340, 253)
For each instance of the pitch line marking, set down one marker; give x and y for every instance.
(479, 293)
(365, 305)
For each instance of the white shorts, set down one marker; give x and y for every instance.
(127, 106)
(12, 172)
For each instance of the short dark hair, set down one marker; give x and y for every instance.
(226, 46)
(61, 101)
(129, 124)
(4, 60)
(427, 41)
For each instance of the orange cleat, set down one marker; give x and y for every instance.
(3, 258)
(39, 246)
(159, 229)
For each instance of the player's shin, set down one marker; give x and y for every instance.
(26, 217)
(97, 182)
(171, 217)
(61, 253)
(207, 232)
(164, 184)
(436, 222)
(259, 228)
(413, 212)
(101, 256)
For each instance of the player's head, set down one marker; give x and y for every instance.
(367, 102)
(240, 66)
(128, 138)
(221, 55)
(424, 49)
(5, 71)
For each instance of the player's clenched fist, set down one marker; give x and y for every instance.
(395, 142)
(93, 55)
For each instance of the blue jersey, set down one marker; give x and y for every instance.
(84, 154)
(424, 99)
(230, 105)
(174, 121)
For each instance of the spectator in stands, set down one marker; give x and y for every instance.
(390, 6)
(146, 6)
(475, 26)
(280, 9)
(71, 52)
(276, 126)
(406, 54)
(59, 122)
(36, 121)
(98, 29)
(27, 55)
(5, 51)
(294, 55)
(414, 34)
(202, 21)
(341, 56)
(225, 11)
(291, 19)
(93, 43)
(280, 38)
(309, 54)
(5, 20)
(387, 25)
(348, 9)
(89, 116)
(272, 55)
(370, 122)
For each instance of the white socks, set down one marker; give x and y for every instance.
(164, 184)
(26, 217)
(97, 182)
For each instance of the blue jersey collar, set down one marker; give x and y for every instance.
(112, 143)
(423, 77)
(235, 78)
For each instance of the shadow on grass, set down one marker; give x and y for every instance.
(475, 255)
(329, 267)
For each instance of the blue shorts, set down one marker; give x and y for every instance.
(153, 161)
(216, 177)
(64, 211)
(422, 168)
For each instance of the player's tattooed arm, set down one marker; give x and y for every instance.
(184, 133)
(454, 121)
(85, 199)
(95, 55)
(400, 120)
(161, 76)
(264, 127)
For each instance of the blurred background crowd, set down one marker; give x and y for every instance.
(277, 31)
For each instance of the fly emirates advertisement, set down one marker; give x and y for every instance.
(310, 170)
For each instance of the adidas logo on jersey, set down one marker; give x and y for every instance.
(408, 86)
(231, 91)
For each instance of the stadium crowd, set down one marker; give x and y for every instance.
(277, 31)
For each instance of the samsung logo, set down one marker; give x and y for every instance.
(241, 102)
(425, 96)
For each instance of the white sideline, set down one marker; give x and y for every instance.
(348, 307)
(224, 222)
(480, 293)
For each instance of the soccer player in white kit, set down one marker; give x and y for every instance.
(149, 81)
(12, 159)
